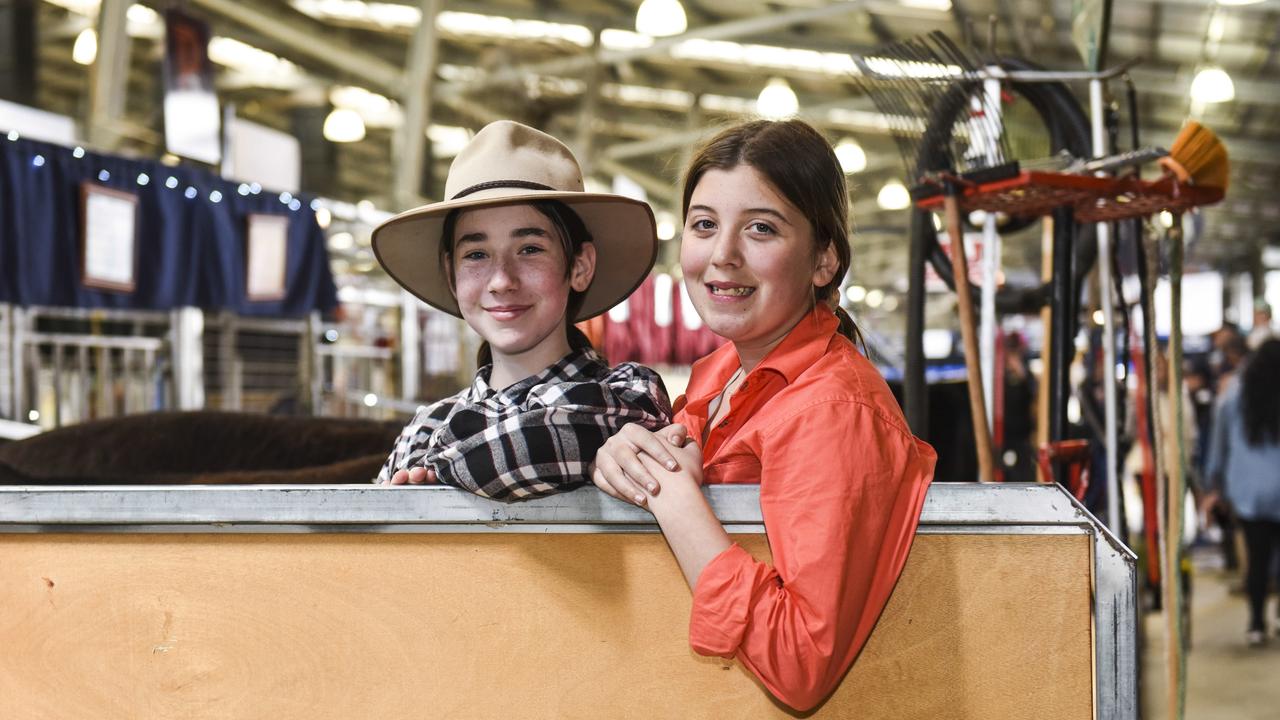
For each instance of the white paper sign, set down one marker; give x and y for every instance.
(109, 231)
(265, 256)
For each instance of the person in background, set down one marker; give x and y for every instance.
(789, 404)
(520, 252)
(1244, 466)
(1018, 454)
(1262, 330)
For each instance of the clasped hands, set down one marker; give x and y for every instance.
(633, 465)
(630, 466)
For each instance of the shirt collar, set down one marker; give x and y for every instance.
(802, 347)
(570, 368)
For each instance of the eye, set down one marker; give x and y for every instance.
(475, 255)
(762, 227)
(703, 224)
(532, 250)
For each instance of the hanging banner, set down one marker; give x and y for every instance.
(192, 122)
(1090, 27)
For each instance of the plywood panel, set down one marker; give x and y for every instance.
(500, 625)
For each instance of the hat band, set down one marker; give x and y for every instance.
(521, 184)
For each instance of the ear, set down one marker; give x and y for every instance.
(824, 270)
(584, 268)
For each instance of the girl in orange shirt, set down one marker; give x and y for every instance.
(788, 404)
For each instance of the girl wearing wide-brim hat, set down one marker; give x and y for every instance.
(520, 252)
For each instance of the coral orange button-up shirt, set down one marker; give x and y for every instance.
(842, 481)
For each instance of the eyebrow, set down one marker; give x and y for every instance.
(531, 230)
(480, 236)
(757, 211)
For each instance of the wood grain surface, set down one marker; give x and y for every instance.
(501, 626)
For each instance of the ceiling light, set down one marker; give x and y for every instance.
(851, 156)
(1239, 2)
(1166, 218)
(874, 298)
(894, 196)
(343, 126)
(85, 51)
(660, 18)
(1212, 85)
(855, 293)
(777, 100)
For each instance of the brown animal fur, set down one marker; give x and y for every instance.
(201, 448)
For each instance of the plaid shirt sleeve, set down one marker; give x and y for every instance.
(411, 446)
(547, 444)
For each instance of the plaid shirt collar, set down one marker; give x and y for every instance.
(570, 368)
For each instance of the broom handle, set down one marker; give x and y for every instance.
(969, 334)
(1173, 604)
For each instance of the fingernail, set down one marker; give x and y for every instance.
(671, 465)
(653, 487)
(640, 499)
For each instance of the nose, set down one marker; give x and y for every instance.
(724, 249)
(504, 277)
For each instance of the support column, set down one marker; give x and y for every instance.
(18, 58)
(109, 75)
(1110, 399)
(410, 140)
(186, 351)
(410, 346)
(587, 111)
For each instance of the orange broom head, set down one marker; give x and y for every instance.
(1199, 157)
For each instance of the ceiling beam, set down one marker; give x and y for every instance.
(661, 46)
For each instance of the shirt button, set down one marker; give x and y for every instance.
(724, 423)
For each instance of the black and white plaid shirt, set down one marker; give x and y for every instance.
(536, 437)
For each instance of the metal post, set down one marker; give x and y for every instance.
(915, 391)
(109, 74)
(990, 265)
(8, 368)
(410, 345)
(317, 384)
(228, 360)
(309, 362)
(410, 139)
(1100, 149)
(1063, 330)
(187, 360)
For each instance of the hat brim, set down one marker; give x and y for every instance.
(623, 229)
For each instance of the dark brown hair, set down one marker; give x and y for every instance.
(800, 165)
(572, 234)
(1260, 395)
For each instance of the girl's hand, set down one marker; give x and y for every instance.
(620, 473)
(413, 476)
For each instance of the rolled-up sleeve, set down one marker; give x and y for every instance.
(841, 491)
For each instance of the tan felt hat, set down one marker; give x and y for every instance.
(508, 163)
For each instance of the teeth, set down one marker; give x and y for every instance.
(738, 291)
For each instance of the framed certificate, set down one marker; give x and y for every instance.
(108, 238)
(266, 252)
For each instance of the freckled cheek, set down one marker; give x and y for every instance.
(693, 259)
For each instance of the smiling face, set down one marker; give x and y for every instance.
(749, 259)
(508, 266)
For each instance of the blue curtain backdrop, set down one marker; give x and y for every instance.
(190, 239)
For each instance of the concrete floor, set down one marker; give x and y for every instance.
(1225, 679)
